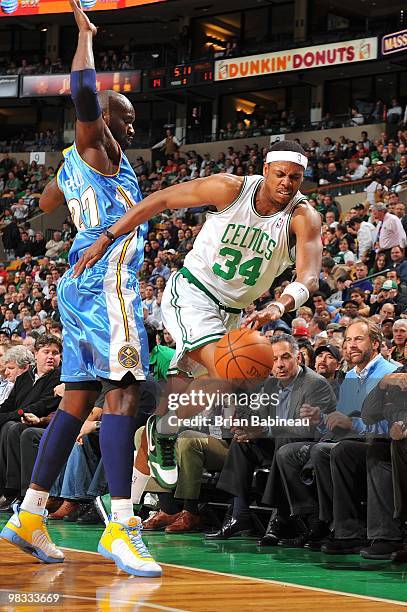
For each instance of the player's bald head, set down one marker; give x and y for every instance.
(112, 101)
(118, 114)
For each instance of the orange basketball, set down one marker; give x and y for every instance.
(243, 353)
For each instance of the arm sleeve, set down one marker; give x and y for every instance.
(84, 95)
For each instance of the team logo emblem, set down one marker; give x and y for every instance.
(128, 357)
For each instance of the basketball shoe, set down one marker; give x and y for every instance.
(122, 543)
(162, 459)
(29, 532)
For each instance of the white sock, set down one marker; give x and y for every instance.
(35, 501)
(164, 426)
(138, 484)
(122, 510)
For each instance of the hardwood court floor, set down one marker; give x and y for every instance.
(197, 577)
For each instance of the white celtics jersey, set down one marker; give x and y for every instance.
(238, 253)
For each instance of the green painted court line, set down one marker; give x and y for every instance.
(347, 574)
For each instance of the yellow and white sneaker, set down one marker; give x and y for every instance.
(29, 532)
(122, 543)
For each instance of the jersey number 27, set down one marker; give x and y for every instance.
(87, 205)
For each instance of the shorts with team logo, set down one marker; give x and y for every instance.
(103, 330)
(193, 320)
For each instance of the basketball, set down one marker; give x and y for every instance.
(243, 353)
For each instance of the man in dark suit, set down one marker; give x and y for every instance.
(33, 399)
(290, 387)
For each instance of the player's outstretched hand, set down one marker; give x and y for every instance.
(91, 255)
(259, 318)
(83, 22)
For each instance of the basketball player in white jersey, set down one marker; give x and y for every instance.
(262, 225)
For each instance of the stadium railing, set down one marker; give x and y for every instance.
(339, 189)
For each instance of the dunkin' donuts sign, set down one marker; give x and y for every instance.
(305, 58)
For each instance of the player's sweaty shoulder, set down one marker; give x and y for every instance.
(224, 189)
(304, 209)
(305, 215)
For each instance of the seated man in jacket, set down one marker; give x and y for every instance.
(33, 391)
(289, 388)
(338, 460)
(386, 469)
(32, 397)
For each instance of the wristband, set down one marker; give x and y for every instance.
(298, 292)
(278, 305)
(109, 235)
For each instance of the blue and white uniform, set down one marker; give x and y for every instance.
(101, 311)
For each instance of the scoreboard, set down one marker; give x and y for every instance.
(154, 79)
(127, 81)
(178, 76)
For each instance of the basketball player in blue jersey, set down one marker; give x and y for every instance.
(104, 337)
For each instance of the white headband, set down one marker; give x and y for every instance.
(291, 156)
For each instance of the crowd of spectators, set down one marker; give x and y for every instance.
(106, 61)
(32, 65)
(28, 140)
(380, 162)
(21, 185)
(265, 122)
(260, 122)
(354, 329)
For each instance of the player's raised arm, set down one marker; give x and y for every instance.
(90, 125)
(51, 197)
(217, 190)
